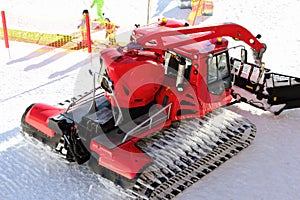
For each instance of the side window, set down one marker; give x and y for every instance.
(223, 68)
(218, 74)
(172, 63)
(212, 70)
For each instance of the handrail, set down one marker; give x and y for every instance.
(147, 120)
(75, 101)
(111, 93)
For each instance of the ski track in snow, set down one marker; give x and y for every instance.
(268, 169)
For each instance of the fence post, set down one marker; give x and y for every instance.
(148, 11)
(88, 31)
(5, 31)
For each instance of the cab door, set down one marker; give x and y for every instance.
(218, 76)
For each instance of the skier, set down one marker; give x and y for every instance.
(82, 27)
(100, 4)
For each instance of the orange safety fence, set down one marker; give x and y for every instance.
(59, 33)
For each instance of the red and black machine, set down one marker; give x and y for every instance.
(155, 122)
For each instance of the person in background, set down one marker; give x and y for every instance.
(110, 29)
(196, 11)
(82, 26)
(100, 4)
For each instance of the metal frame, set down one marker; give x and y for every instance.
(150, 119)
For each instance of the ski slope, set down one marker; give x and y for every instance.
(268, 169)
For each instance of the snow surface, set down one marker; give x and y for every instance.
(268, 169)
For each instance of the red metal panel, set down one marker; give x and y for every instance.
(126, 159)
(38, 117)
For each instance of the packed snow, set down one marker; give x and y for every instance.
(267, 169)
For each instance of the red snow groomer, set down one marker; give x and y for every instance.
(154, 123)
